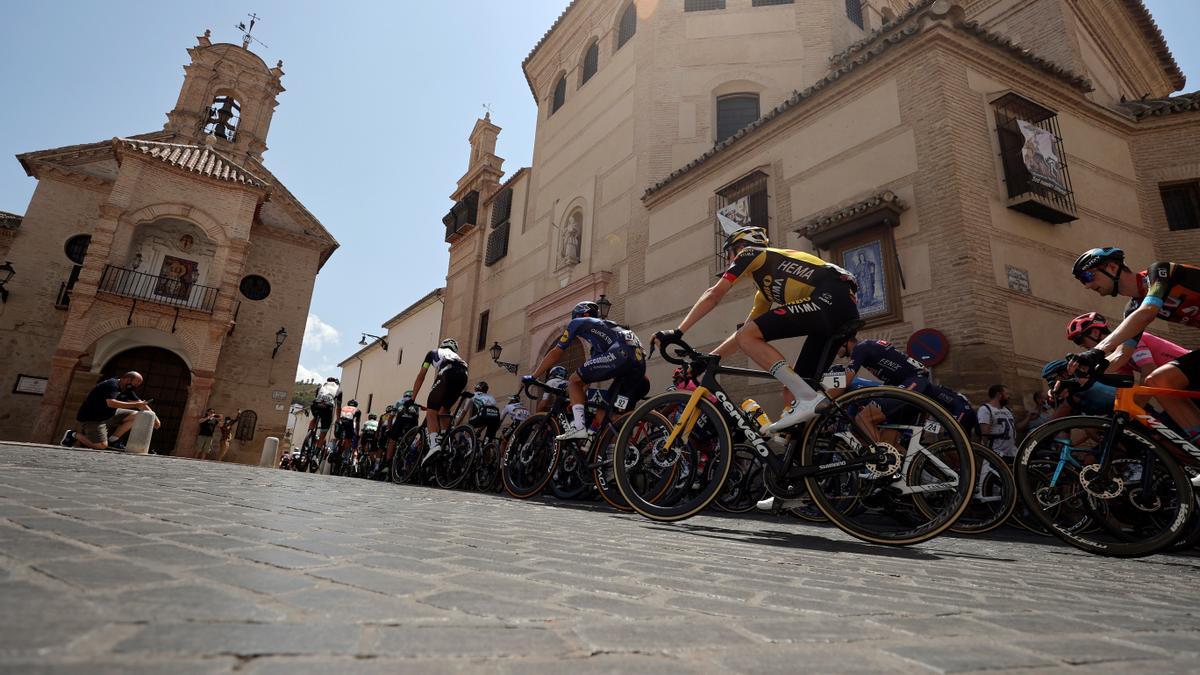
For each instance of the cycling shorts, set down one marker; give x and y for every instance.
(617, 363)
(830, 307)
(488, 419)
(446, 388)
(1189, 363)
(323, 412)
(344, 429)
(401, 424)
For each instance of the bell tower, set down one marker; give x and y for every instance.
(229, 93)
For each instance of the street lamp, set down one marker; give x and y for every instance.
(496, 350)
(6, 273)
(280, 336)
(605, 305)
(382, 341)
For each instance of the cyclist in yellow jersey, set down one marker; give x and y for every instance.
(798, 294)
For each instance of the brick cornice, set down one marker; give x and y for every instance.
(48, 171)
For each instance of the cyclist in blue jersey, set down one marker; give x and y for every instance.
(616, 354)
(885, 362)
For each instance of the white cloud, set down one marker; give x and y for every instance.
(304, 374)
(317, 333)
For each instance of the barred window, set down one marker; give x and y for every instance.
(702, 5)
(591, 63)
(751, 188)
(1036, 176)
(1182, 204)
(246, 425)
(628, 26)
(481, 340)
(734, 112)
(560, 95)
(764, 3)
(854, 12)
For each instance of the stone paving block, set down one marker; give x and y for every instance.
(336, 605)
(1088, 650)
(661, 636)
(474, 641)
(1172, 642)
(175, 604)
(319, 548)
(574, 582)
(624, 609)
(942, 626)
(169, 555)
(29, 547)
(100, 573)
(602, 664)
(791, 659)
(209, 541)
(282, 557)
(256, 578)
(509, 587)
(243, 639)
(482, 604)
(111, 666)
(957, 657)
(811, 629)
(145, 526)
(401, 564)
(371, 580)
(372, 666)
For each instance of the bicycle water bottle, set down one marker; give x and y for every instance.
(755, 411)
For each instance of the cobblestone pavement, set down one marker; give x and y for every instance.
(129, 564)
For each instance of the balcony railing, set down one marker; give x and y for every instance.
(162, 290)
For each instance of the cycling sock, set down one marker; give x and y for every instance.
(577, 411)
(795, 384)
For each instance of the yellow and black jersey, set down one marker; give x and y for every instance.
(783, 276)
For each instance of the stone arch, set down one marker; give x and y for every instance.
(617, 19)
(560, 78)
(581, 63)
(575, 355)
(108, 338)
(148, 214)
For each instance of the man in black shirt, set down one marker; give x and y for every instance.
(111, 404)
(208, 425)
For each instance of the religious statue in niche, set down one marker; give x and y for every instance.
(186, 242)
(571, 238)
(177, 276)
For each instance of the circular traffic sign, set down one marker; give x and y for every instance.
(929, 346)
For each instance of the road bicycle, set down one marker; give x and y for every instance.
(861, 474)
(447, 469)
(1116, 485)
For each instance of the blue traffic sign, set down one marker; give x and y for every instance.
(929, 346)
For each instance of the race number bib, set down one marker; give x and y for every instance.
(621, 403)
(834, 379)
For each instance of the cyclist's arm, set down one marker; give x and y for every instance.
(1133, 325)
(552, 357)
(1120, 356)
(420, 379)
(706, 303)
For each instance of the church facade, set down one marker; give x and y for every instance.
(175, 253)
(956, 157)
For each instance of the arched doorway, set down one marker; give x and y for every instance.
(574, 357)
(167, 380)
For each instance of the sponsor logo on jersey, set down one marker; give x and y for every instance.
(795, 269)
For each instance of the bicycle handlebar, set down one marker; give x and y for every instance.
(538, 383)
(682, 353)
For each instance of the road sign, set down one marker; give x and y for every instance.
(929, 346)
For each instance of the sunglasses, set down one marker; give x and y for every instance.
(1086, 276)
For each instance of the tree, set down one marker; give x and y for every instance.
(303, 392)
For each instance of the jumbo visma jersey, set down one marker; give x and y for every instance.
(783, 276)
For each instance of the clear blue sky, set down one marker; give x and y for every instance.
(370, 134)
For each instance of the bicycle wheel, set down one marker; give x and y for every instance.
(1142, 506)
(453, 465)
(653, 429)
(407, 459)
(487, 469)
(531, 455)
(993, 498)
(879, 502)
(705, 451)
(307, 448)
(744, 487)
(571, 478)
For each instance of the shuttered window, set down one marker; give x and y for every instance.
(702, 5)
(764, 3)
(1182, 204)
(734, 112)
(246, 425)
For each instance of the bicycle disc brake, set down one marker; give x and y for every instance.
(1106, 488)
(889, 464)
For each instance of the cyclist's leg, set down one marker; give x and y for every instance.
(1182, 373)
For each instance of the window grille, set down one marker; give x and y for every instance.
(591, 63)
(854, 12)
(246, 425)
(753, 187)
(481, 340)
(628, 26)
(1182, 205)
(702, 5)
(560, 95)
(497, 243)
(734, 112)
(1036, 176)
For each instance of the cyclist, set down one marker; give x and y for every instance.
(557, 378)
(616, 354)
(1150, 352)
(484, 413)
(407, 415)
(450, 378)
(514, 413)
(345, 431)
(327, 397)
(798, 294)
(368, 442)
(1164, 290)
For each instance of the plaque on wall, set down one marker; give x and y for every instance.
(29, 384)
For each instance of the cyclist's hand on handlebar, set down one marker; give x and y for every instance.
(1092, 361)
(666, 337)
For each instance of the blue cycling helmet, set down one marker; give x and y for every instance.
(1093, 258)
(1050, 370)
(559, 372)
(585, 308)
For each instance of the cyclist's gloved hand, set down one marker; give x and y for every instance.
(528, 379)
(1091, 358)
(665, 337)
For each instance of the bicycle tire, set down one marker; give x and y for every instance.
(744, 487)
(407, 457)
(1174, 486)
(994, 480)
(531, 455)
(913, 531)
(717, 468)
(454, 464)
(604, 476)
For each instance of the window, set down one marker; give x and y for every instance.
(1031, 151)
(400, 356)
(854, 12)
(462, 214)
(764, 3)
(560, 95)
(76, 250)
(702, 5)
(734, 112)
(591, 63)
(628, 26)
(497, 243)
(748, 197)
(245, 427)
(481, 340)
(255, 287)
(222, 119)
(1182, 204)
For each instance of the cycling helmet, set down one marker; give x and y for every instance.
(407, 393)
(1051, 370)
(451, 344)
(515, 398)
(481, 387)
(353, 403)
(1080, 325)
(558, 372)
(372, 416)
(752, 236)
(585, 308)
(1085, 264)
(333, 380)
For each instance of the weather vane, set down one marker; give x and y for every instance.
(246, 32)
(487, 108)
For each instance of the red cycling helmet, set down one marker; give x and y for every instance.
(1080, 325)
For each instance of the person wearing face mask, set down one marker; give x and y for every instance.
(996, 422)
(108, 412)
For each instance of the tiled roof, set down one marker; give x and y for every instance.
(197, 159)
(864, 51)
(1152, 107)
(541, 42)
(10, 221)
(1158, 43)
(821, 223)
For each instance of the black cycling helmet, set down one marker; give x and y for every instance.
(333, 380)
(585, 308)
(1085, 264)
(515, 398)
(481, 386)
(372, 416)
(353, 403)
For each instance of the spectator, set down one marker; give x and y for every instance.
(208, 425)
(227, 428)
(1039, 414)
(996, 422)
(108, 412)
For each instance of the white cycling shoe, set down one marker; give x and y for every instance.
(433, 450)
(800, 412)
(573, 434)
(776, 504)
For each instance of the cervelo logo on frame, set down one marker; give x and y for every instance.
(751, 435)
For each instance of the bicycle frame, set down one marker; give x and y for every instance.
(1127, 410)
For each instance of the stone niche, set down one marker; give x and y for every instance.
(169, 247)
